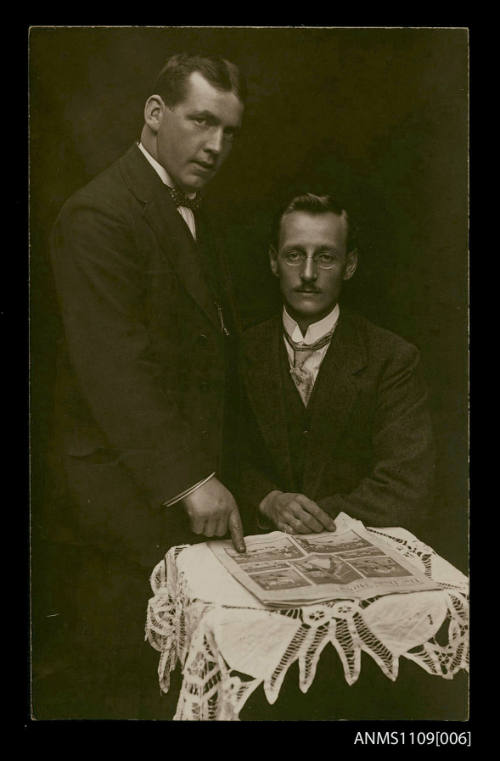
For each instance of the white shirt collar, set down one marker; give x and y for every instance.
(315, 331)
(160, 170)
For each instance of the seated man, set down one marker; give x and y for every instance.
(336, 414)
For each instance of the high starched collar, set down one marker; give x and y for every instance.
(160, 170)
(315, 331)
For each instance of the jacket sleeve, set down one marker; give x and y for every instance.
(256, 476)
(99, 276)
(398, 490)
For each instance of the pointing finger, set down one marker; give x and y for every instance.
(236, 530)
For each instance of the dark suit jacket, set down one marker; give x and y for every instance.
(141, 376)
(368, 447)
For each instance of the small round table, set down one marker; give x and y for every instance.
(230, 646)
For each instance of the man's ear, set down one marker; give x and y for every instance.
(273, 260)
(351, 264)
(154, 111)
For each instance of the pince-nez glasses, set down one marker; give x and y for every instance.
(324, 260)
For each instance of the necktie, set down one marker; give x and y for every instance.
(302, 377)
(181, 199)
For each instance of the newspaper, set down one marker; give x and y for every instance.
(282, 570)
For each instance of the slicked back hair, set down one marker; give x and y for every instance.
(171, 83)
(314, 204)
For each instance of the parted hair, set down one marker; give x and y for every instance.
(315, 204)
(219, 72)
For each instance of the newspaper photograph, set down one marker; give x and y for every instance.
(282, 570)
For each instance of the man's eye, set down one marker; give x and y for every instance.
(292, 256)
(326, 259)
(199, 120)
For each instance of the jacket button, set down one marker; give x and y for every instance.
(305, 431)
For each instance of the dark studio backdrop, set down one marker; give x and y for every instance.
(376, 116)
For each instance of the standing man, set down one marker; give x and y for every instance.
(336, 405)
(143, 381)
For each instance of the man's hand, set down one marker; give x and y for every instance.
(213, 511)
(295, 513)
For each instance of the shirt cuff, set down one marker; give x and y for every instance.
(187, 492)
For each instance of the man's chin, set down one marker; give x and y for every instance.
(194, 181)
(308, 311)
(307, 307)
(193, 186)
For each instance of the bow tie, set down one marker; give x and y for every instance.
(181, 199)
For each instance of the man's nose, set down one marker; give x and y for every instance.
(310, 269)
(214, 141)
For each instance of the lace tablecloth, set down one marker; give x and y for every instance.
(228, 643)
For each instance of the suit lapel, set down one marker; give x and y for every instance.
(174, 237)
(334, 394)
(180, 248)
(265, 391)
